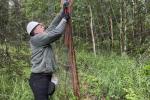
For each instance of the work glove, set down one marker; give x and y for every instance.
(51, 88)
(65, 16)
(65, 13)
(65, 5)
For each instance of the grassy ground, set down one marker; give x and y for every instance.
(108, 76)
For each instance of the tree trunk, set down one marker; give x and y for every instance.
(124, 27)
(121, 33)
(4, 17)
(111, 32)
(92, 31)
(71, 55)
(133, 12)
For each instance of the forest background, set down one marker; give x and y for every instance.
(111, 40)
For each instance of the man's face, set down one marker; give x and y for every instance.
(39, 29)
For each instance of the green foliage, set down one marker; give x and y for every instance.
(107, 75)
(131, 94)
(14, 87)
(146, 70)
(111, 76)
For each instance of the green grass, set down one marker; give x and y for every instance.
(113, 77)
(14, 88)
(108, 76)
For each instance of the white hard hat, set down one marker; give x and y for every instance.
(31, 25)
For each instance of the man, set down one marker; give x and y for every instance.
(42, 59)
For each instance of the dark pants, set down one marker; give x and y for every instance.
(41, 84)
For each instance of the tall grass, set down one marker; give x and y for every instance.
(112, 77)
(14, 88)
(108, 76)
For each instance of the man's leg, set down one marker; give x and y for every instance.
(39, 85)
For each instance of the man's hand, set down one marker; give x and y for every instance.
(69, 6)
(65, 15)
(70, 3)
(65, 5)
(66, 12)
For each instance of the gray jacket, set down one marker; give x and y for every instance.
(43, 59)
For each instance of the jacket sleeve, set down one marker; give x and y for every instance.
(55, 21)
(49, 36)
